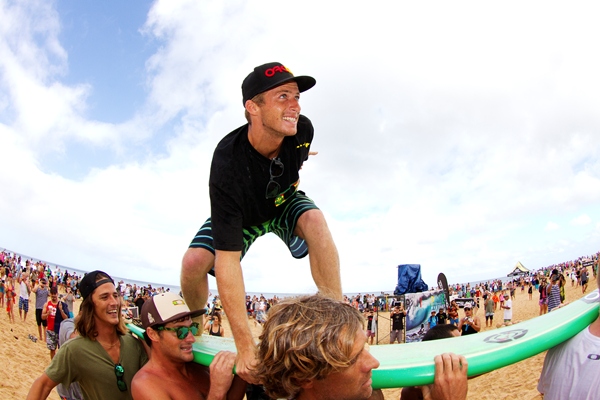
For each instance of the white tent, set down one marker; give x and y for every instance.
(519, 270)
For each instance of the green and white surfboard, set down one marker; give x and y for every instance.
(411, 364)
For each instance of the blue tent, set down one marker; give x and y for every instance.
(409, 279)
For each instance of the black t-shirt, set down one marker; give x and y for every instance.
(442, 317)
(238, 180)
(398, 321)
(369, 322)
(139, 302)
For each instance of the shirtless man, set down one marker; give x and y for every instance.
(170, 373)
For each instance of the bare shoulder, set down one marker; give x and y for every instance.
(155, 383)
(148, 383)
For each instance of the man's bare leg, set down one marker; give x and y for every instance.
(196, 263)
(323, 255)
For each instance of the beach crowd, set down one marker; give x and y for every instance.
(28, 282)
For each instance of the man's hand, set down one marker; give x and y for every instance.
(245, 365)
(450, 382)
(221, 375)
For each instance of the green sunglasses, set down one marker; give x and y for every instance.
(119, 372)
(182, 331)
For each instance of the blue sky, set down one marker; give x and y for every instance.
(463, 137)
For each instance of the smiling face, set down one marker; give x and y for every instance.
(279, 111)
(107, 305)
(352, 383)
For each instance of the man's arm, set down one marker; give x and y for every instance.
(476, 324)
(45, 311)
(41, 388)
(230, 280)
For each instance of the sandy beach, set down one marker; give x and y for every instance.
(26, 360)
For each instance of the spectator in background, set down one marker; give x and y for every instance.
(469, 324)
(10, 298)
(553, 292)
(488, 305)
(53, 311)
(543, 297)
(69, 300)
(213, 325)
(453, 313)
(507, 312)
(584, 279)
(397, 316)
(442, 317)
(25, 289)
(371, 325)
(432, 321)
(41, 297)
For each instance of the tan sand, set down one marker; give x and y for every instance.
(26, 360)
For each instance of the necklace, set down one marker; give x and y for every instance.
(109, 346)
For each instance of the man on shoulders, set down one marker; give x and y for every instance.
(253, 185)
(571, 369)
(171, 372)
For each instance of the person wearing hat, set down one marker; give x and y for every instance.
(470, 324)
(169, 332)
(103, 359)
(253, 188)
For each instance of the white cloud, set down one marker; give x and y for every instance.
(581, 220)
(445, 133)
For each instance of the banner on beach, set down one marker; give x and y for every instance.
(418, 309)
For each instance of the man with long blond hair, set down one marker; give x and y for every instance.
(314, 347)
(103, 358)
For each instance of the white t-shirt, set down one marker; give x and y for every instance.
(571, 369)
(508, 313)
(23, 290)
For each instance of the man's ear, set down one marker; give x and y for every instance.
(152, 334)
(251, 107)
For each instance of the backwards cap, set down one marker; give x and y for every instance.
(88, 283)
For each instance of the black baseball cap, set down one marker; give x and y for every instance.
(270, 75)
(90, 282)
